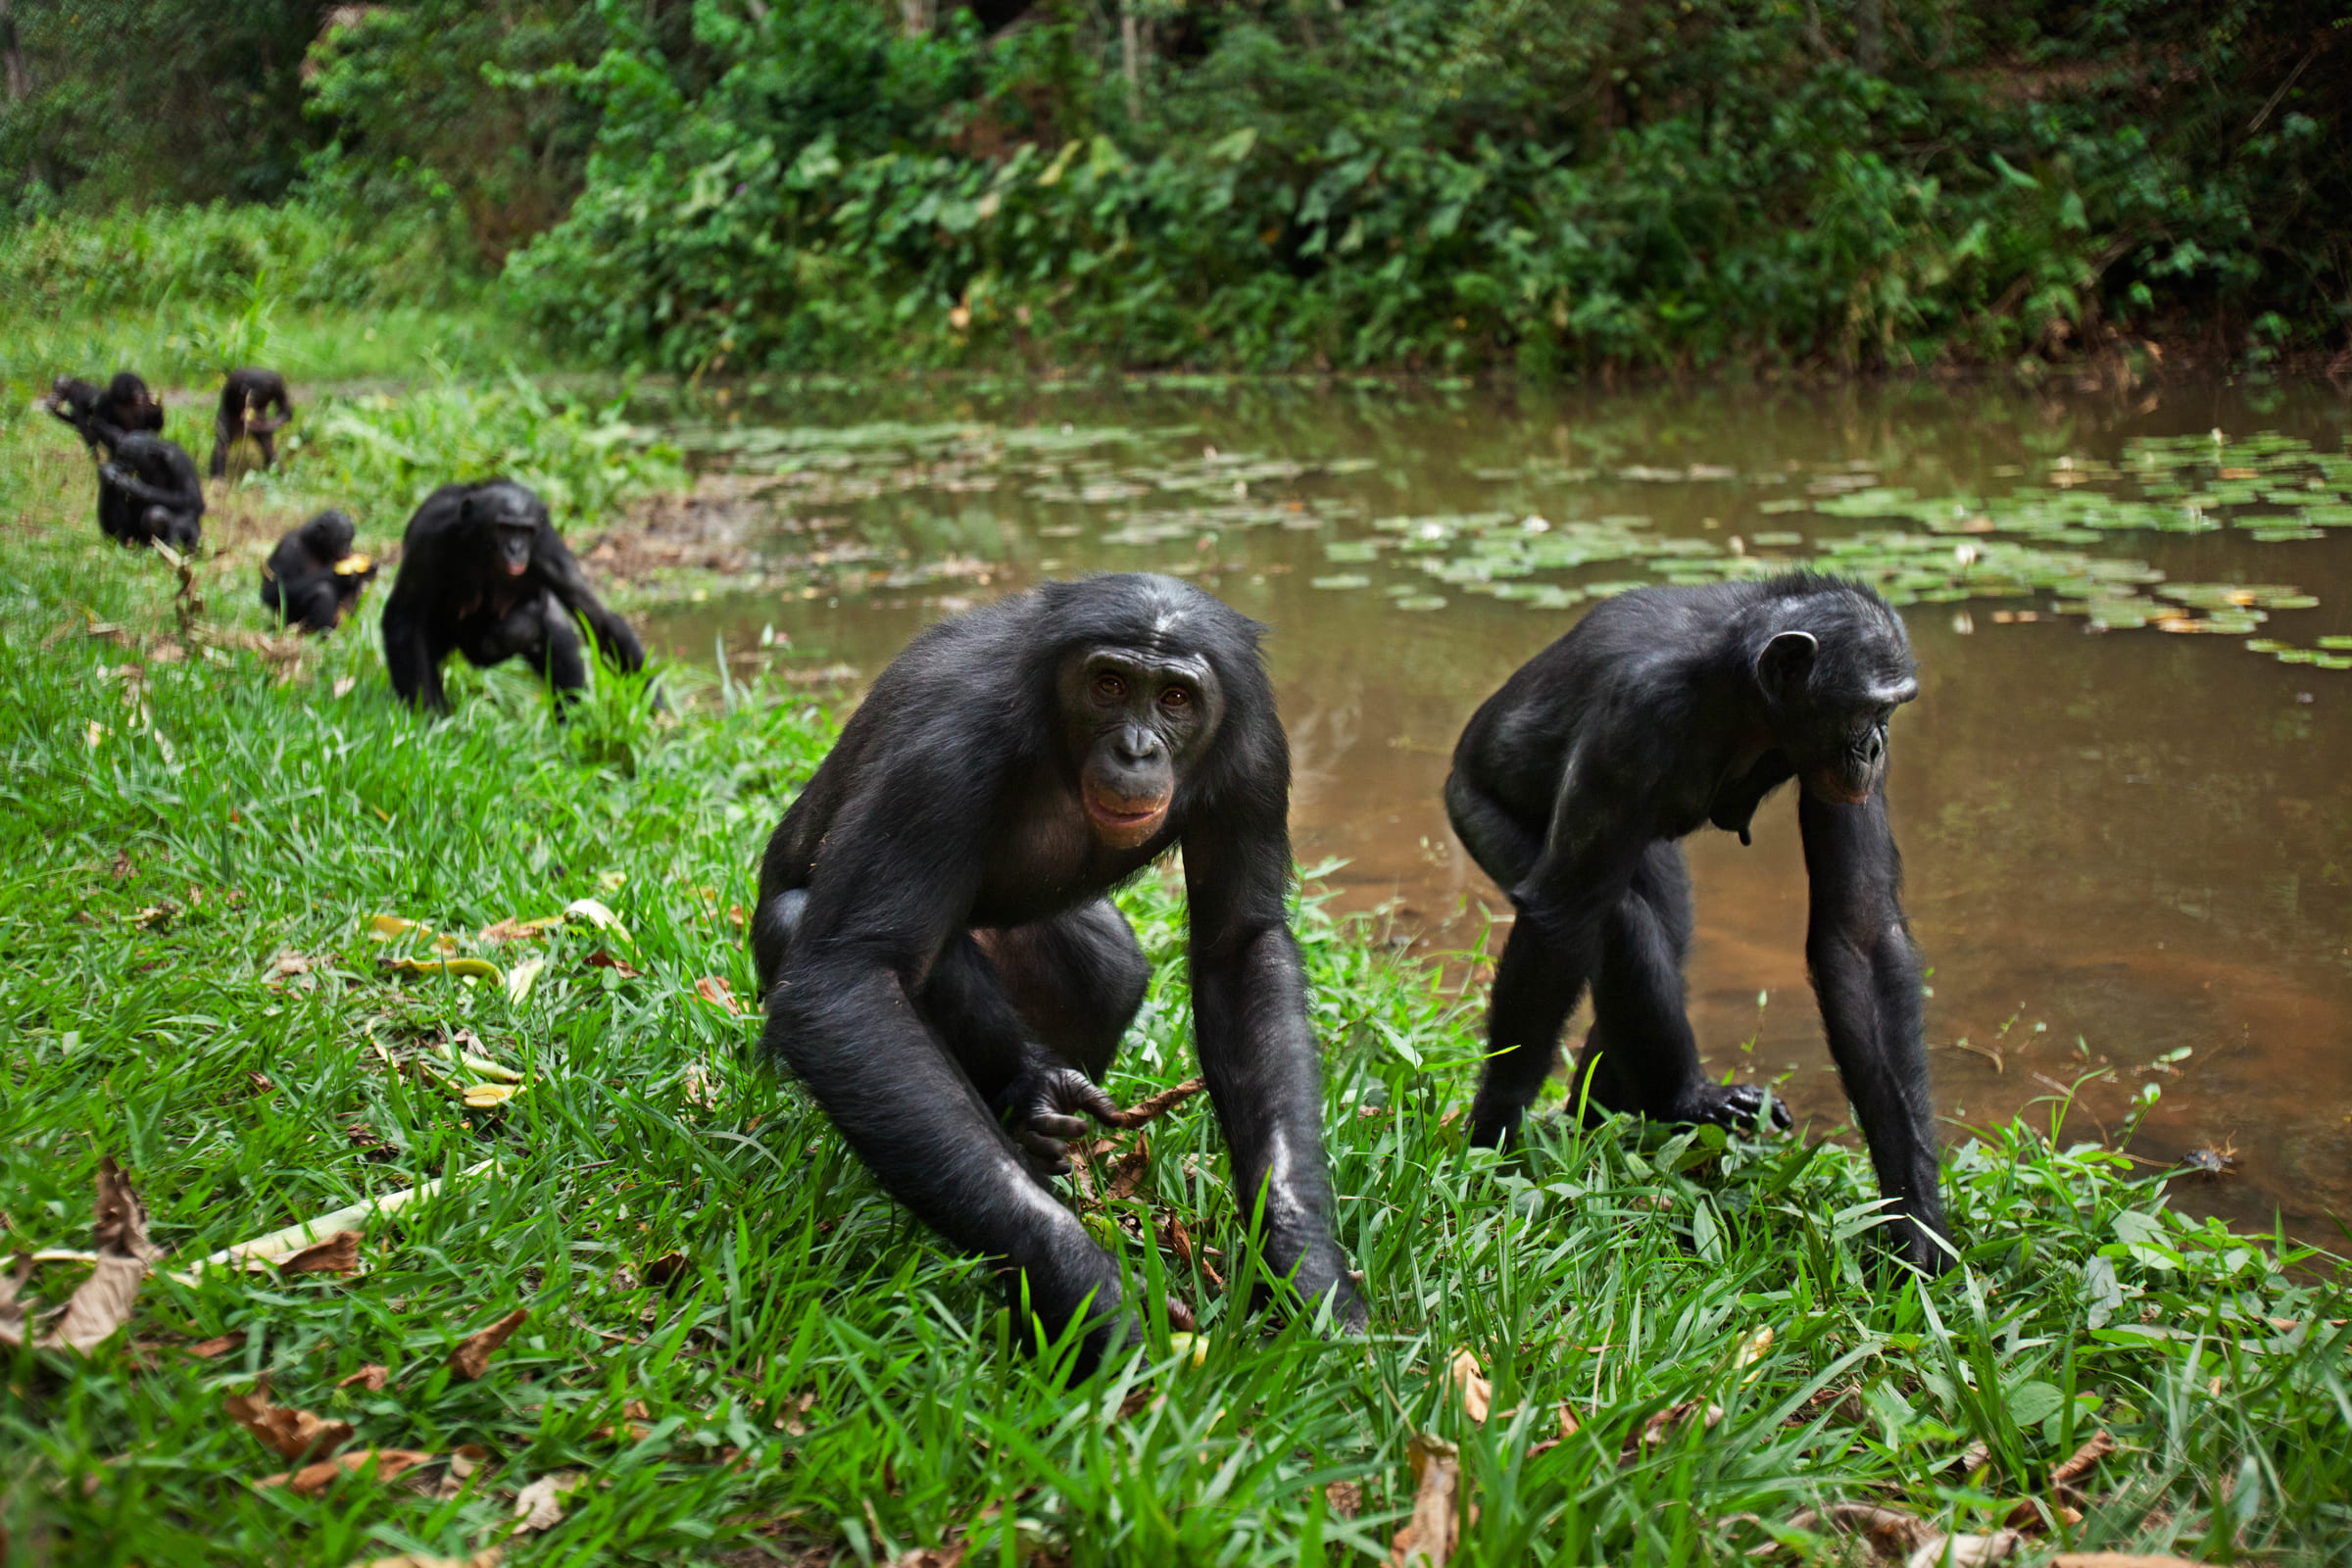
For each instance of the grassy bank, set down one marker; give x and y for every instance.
(737, 1350)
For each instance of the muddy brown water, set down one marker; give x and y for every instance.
(2128, 853)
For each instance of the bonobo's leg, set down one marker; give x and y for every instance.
(1525, 1012)
(558, 652)
(223, 439)
(1641, 1055)
(267, 440)
(1504, 847)
(314, 609)
(412, 660)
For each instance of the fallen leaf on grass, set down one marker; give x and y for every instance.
(472, 1359)
(594, 912)
(486, 1096)
(12, 1310)
(155, 914)
(312, 1479)
(1663, 1425)
(102, 1303)
(2117, 1559)
(540, 1505)
(455, 968)
(1128, 1174)
(2079, 1464)
(294, 1434)
(384, 927)
(635, 1422)
(1470, 1386)
(1344, 1498)
(339, 1253)
(370, 1377)
(1895, 1537)
(487, 1557)
(294, 1237)
(666, 1270)
(1569, 1427)
(512, 930)
(946, 1555)
(602, 959)
(522, 977)
(1428, 1536)
(206, 1350)
(714, 990)
(1751, 1350)
(344, 685)
(1154, 1106)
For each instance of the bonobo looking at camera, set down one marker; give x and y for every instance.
(313, 577)
(123, 404)
(1665, 708)
(148, 492)
(482, 571)
(943, 970)
(246, 398)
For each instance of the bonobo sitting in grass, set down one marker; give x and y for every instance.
(123, 404)
(1662, 710)
(313, 577)
(483, 572)
(943, 970)
(148, 492)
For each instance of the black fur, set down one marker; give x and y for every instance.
(245, 397)
(1662, 710)
(123, 405)
(936, 949)
(148, 491)
(313, 581)
(483, 571)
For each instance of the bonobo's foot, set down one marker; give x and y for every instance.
(1041, 1109)
(1733, 1106)
(1922, 1242)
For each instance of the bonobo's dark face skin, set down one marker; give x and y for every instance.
(1135, 720)
(506, 513)
(1832, 707)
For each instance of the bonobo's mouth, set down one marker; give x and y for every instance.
(1123, 822)
(1839, 790)
(514, 568)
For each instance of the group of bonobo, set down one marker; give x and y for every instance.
(943, 969)
(482, 571)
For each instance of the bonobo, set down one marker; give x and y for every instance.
(313, 577)
(245, 397)
(1662, 710)
(123, 403)
(148, 492)
(936, 951)
(482, 571)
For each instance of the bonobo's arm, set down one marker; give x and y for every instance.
(408, 653)
(1866, 976)
(120, 478)
(553, 559)
(1257, 1051)
(895, 879)
(1594, 841)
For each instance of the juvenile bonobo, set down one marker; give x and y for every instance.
(313, 577)
(148, 492)
(938, 954)
(245, 398)
(1665, 708)
(483, 571)
(123, 403)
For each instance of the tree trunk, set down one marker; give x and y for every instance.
(1870, 36)
(1131, 58)
(915, 17)
(12, 58)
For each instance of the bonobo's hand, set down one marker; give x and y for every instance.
(1733, 1106)
(1039, 1109)
(111, 474)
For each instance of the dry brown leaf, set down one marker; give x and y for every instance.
(472, 1359)
(1128, 1174)
(12, 1310)
(487, 1557)
(312, 1479)
(2081, 1461)
(1154, 1106)
(1344, 1498)
(1569, 1427)
(946, 1555)
(370, 1377)
(666, 1270)
(206, 1350)
(540, 1505)
(1663, 1425)
(1428, 1536)
(1890, 1534)
(1470, 1386)
(339, 1253)
(513, 930)
(2117, 1559)
(294, 1434)
(603, 960)
(121, 1224)
(1968, 1551)
(714, 990)
(102, 1303)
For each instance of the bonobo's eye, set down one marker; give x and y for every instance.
(1176, 699)
(1111, 688)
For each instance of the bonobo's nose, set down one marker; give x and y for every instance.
(1137, 744)
(1874, 750)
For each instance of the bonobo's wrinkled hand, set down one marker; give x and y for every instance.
(111, 474)
(1733, 1106)
(1041, 1112)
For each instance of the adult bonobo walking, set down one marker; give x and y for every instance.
(1662, 710)
(935, 949)
(246, 399)
(483, 571)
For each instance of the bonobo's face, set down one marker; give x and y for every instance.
(1136, 719)
(1832, 705)
(505, 515)
(330, 536)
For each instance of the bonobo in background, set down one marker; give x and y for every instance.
(936, 951)
(1662, 710)
(123, 403)
(313, 577)
(148, 491)
(482, 571)
(246, 397)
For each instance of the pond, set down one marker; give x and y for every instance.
(2124, 797)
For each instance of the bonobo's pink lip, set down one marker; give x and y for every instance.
(514, 568)
(1126, 827)
(1829, 787)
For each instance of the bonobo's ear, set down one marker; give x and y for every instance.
(1785, 663)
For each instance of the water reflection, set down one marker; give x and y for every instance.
(2120, 846)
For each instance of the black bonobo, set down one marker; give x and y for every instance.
(483, 572)
(941, 965)
(246, 398)
(1663, 709)
(123, 403)
(313, 577)
(148, 492)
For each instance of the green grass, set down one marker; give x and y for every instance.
(822, 1374)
